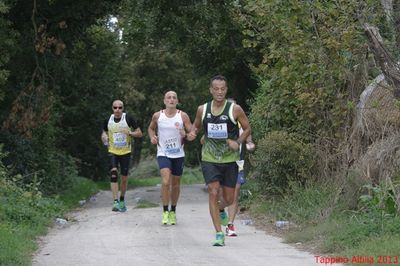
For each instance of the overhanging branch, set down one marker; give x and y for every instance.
(390, 68)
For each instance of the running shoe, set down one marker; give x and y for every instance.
(172, 218)
(122, 206)
(115, 207)
(223, 217)
(165, 217)
(219, 240)
(230, 230)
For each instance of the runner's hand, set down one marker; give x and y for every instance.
(182, 132)
(191, 136)
(250, 146)
(233, 145)
(126, 131)
(154, 140)
(104, 138)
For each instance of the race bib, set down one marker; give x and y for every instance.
(171, 146)
(217, 131)
(119, 140)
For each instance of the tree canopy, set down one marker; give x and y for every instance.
(295, 66)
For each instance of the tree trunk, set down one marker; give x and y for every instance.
(396, 21)
(389, 67)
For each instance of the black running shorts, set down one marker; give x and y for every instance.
(225, 173)
(121, 162)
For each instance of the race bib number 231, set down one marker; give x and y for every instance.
(217, 131)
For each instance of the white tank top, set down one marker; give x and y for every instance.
(170, 142)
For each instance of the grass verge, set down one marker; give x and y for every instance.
(321, 223)
(26, 214)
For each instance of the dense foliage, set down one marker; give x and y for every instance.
(281, 159)
(309, 52)
(56, 89)
(297, 67)
(180, 46)
(67, 61)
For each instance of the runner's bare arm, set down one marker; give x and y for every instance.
(196, 126)
(137, 133)
(151, 130)
(241, 117)
(186, 124)
(104, 136)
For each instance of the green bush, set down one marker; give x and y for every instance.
(60, 175)
(281, 158)
(25, 205)
(380, 201)
(37, 161)
(25, 213)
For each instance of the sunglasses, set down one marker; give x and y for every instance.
(117, 107)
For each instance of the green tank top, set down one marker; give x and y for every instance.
(217, 129)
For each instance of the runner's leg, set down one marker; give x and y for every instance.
(175, 191)
(233, 208)
(213, 199)
(176, 173)
(165, 185)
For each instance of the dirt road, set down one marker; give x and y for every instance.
(98, 236)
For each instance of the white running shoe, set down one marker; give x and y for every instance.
(230, 230)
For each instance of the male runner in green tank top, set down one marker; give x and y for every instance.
(220, 151)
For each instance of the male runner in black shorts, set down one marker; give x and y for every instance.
(117, 136)
(220, 151)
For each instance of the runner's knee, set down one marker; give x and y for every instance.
(165, 182)
(229, 200)
(214, 192)
(176, 181)
(114, 176)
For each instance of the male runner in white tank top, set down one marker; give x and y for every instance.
(167, 130)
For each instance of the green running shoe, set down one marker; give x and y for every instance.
(223, 217)
(165, 217)
(115, 207)
(172, 218)
(122, 206)
(220, 239)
